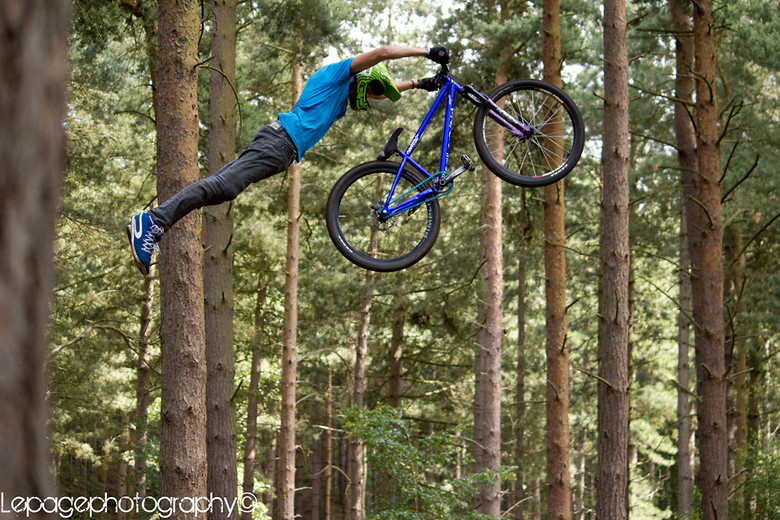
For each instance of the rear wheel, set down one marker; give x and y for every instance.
(368, 241)
(549, 149)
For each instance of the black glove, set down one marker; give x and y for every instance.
(439, 54)
(429, 84)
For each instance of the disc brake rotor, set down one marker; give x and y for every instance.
(377, 223)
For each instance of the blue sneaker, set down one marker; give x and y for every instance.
(143, 235)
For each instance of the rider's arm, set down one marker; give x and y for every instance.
(371, 58)
(405, 85)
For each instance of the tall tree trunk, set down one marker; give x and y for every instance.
(285, 478)
(355, 494)
(755, 396)
(735, 361)
(356, 472)
(271, 464)
(250, 444)
(614, 315)
(705, 238)
(138, 434)
(737, 400)
(32, 152)
(685, 461)
(490, 310)
(396, 355)
(686, 158)
(516, 501)
(327, 451)
(218, 266)
(556, 347)
(138, 437)
(183, 378)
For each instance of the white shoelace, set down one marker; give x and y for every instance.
(151, 239)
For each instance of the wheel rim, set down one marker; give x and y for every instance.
(368, 236)
(546, 151)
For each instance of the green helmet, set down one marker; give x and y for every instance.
(375, 80)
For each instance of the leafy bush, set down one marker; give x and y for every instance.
(414, 470)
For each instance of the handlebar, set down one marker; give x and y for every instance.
(442, 75)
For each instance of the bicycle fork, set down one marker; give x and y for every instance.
(520, 129)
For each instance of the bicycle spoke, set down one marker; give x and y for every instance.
(362, 227)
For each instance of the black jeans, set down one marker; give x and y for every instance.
(271, 152)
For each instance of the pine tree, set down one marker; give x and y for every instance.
(183, 379)
(556, 346)
(32, 145)
(705, 239)
(614, 312)
(686, 157)
(218, 264)
(285, 478)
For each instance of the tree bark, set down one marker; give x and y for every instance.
(396, 356)
(738, 444)
(285, 478)
(490, 311)
(614, 312)
(138, 434)
(327, 451)
(686, 158)
(356, 472)
(516, 502)
(705, 238)
(218, 266)
(556, 347)
(183, 378)
(250, 445)
(32, 153)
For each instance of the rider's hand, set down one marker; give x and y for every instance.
(429, 84)
(439, 54)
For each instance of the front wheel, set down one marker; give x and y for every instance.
(365, 239)
(548, 142)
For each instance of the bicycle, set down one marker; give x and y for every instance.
(527, 132)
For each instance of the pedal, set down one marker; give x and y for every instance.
(467, 162)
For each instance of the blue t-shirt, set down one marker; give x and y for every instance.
(322, 102)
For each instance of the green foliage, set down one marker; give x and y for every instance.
(762, 482)
(415, 468)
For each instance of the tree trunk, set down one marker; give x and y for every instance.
(686, 157)
(516, 501)
(556, 347)
(356, 472)
(396, 355)
(705, 238)
(490, 310)
(32, 152)
(327, 452)
(685, 461)
(138, 434)
(737, 397)
(250, 445)
(218, 266)
(183, 378)
(614, 312)
(285, 478)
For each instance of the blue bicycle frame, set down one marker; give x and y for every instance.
(446, 95)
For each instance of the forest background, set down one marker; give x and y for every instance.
(414, 419)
